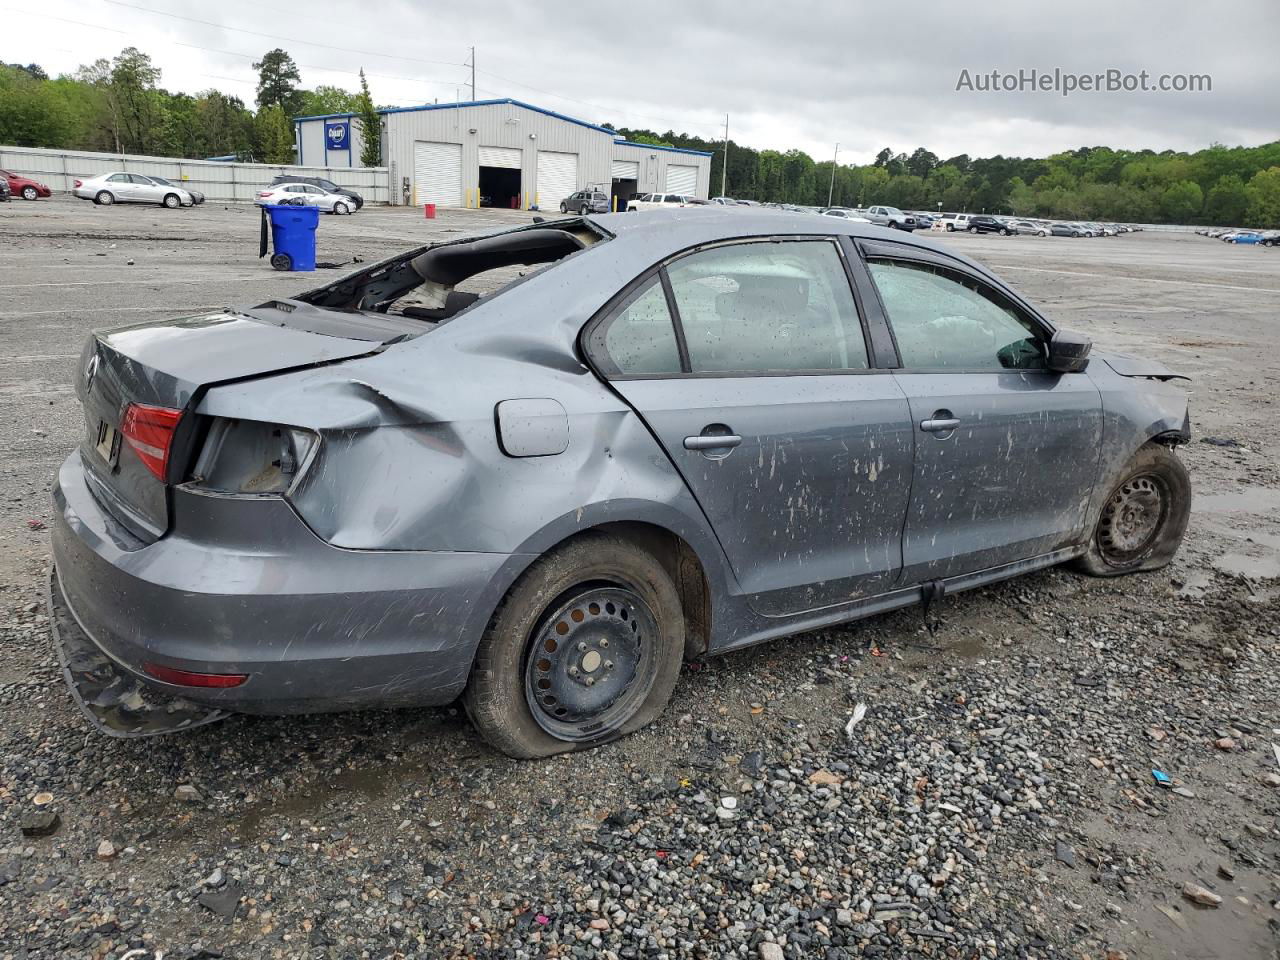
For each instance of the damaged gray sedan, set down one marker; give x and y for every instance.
(676, 435)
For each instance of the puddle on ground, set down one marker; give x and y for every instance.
(1266, 567)
(1263, 500)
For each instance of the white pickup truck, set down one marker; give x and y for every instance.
(955, 221)
(656, 201)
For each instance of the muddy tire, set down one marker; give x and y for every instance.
(585, 649)
(1144, 518)
(104, 198)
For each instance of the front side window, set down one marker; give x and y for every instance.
(639, 339)
(768, 307)
(948, 321)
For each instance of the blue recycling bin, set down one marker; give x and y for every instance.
(293, 236)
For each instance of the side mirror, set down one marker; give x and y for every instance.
(1068, 352)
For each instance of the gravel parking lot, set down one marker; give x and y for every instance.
(996, 801)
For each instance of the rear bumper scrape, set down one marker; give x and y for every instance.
(116, 702)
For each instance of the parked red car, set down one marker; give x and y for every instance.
(25, 187)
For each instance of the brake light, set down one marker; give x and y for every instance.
(185, 678)
(78, 183)
(149, 431)
(264, 193)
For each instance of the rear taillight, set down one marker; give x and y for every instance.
(264, 193)
(185, 678)
(149, 431)
(78, 183)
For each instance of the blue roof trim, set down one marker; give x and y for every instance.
(654, 146)
(327, 116)
(470, 103)
(504, 100)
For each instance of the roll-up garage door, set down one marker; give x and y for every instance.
(506, 157)
(681, 179)
(626, 170)
(437, 173)
(557, 177)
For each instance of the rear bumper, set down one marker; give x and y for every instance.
(242, 586)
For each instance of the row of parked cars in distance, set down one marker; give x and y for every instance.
(124, 187)
(1266, 238)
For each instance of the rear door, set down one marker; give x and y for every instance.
(1006, 452)
(749, 362)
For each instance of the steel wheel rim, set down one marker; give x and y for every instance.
(1132, 519)
(590, 663)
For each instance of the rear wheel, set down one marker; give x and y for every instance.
(586, 648)
(171, 200)
(1144, 518)
(104, 197)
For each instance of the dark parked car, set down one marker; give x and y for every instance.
(393, 490)
(327, 185)
(981, 223)
(5, 195)
(1064, 230)
(24, 187)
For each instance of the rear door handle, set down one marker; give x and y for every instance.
(939, 425)
(711, 442)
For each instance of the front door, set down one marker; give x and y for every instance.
(760, 391)
(1006, 451)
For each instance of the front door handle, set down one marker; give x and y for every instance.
(939, 424)
(711, 442)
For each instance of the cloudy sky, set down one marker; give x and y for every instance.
(795, 74)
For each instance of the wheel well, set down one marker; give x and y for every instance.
(682, 565)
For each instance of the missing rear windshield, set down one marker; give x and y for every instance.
(438, 283)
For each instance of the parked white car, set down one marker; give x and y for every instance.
(109, 188)
(845, 214)
(657, 201)
(307, 195)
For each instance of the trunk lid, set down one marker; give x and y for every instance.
(169, 364)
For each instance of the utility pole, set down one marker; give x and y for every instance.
(473, 74)
(832, 188)
(724, 170)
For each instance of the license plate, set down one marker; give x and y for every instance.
(108, 445)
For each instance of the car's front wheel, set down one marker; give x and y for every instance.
(30, 193)
(1144, 518)
(340, 209)
(172, 201)
(563, 208)
(584, 649)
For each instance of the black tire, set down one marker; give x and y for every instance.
(105, 198)
(1004, 233)
(172, 201)
(973, 229)
(1144, 517)
(551, 595)
(282, 261)
(951, 228)
(30, 193)
(584, 211)
(563, 208)
(340, 208)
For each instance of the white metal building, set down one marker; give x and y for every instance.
(502, 153)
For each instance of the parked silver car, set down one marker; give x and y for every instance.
(306, 195)
(678, 435)
(109, 188)
(584, 202)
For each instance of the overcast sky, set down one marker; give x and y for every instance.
(794, 74)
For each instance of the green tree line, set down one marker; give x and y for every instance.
(119, 106)
(1230, 186)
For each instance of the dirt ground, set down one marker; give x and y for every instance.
(1106, 679)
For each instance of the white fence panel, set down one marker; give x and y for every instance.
(217, 181)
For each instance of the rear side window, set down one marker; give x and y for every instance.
(639, 339)
(947, 321)
(768, 307)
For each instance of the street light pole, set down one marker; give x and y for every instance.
(724, 170)
(832, 188)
